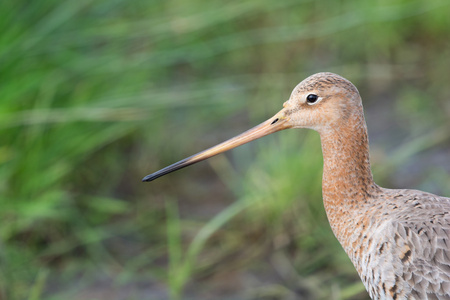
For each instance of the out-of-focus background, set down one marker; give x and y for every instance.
(95, 94)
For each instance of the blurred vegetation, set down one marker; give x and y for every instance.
(96, 94)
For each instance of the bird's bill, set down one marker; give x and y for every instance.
(274, 124)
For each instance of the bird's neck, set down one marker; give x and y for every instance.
(347, 178)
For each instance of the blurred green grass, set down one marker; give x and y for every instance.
(96, 94)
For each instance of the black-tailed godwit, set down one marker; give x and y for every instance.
(398, 240)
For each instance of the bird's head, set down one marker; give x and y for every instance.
(320, 102)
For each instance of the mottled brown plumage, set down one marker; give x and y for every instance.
(398, 240)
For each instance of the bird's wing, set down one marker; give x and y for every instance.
(412, 256)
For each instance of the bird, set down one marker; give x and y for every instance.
(397, 239)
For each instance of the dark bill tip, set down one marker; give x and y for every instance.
(148, 178)
(173, 167)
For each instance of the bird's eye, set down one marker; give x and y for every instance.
(312, 98)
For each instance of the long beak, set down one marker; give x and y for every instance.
(278, 122)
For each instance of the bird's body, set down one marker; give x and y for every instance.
(398, 240)
(399, 244)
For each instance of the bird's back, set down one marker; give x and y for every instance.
(403, 249)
